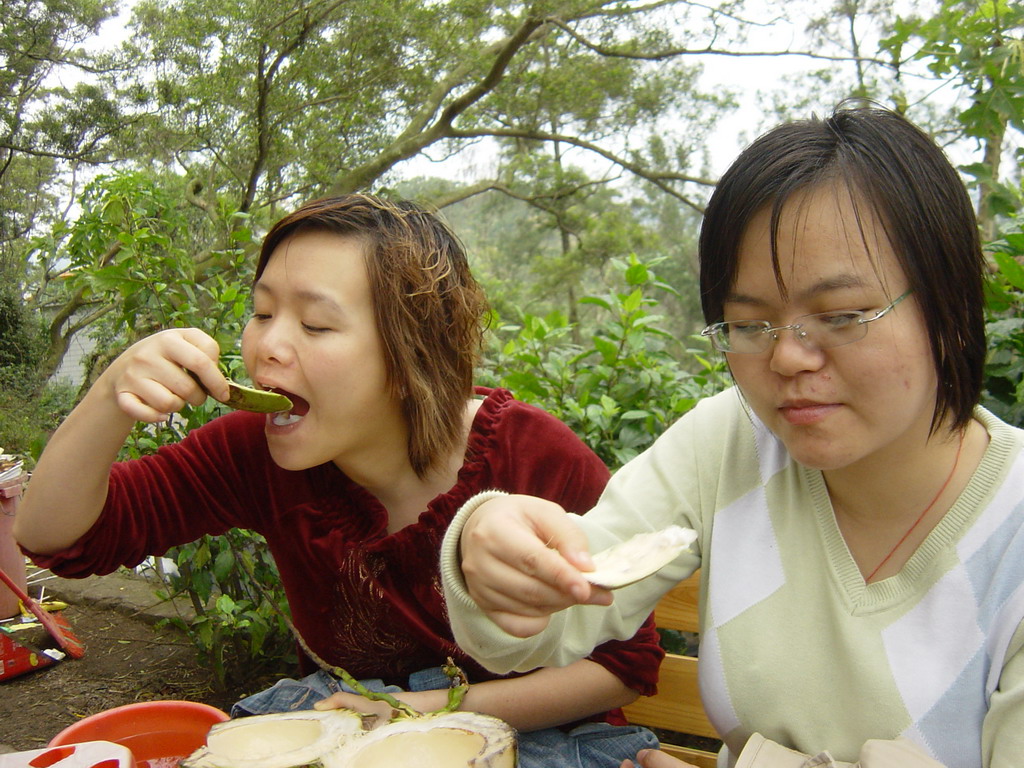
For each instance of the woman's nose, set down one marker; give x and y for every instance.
(791, 355)
(271, 341)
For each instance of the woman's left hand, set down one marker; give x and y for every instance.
(422, 701)
(653, 758)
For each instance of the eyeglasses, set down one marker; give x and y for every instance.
(823, 330)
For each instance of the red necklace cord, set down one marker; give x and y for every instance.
(931, 504)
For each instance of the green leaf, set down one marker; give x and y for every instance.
(632, 302)
(608, 350)
(223, 565)
(202, 555)
(637, 274)
(597, 301)
(1011, 270)
(633, 415)
(226, 605)
(1016, 241)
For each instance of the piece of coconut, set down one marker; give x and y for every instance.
(286, 740)
(444, 740)
(638, 557)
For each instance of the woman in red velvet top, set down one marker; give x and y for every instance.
(366, 316)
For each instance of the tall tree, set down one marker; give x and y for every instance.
(42, 123)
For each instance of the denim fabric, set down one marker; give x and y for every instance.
(591, 745)
(289, 695)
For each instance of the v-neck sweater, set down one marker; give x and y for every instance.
(794, 644)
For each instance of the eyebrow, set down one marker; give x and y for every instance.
(828, 285)
(313, 297)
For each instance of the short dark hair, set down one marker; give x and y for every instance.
(911, 188)
(429, 308)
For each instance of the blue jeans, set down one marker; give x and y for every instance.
(591, 745)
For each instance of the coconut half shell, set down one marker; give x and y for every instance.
(445, 740)
(286, 740)
(639, 557)
(337, 739)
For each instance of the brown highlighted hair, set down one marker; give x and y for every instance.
(905, 179)
(428, 306)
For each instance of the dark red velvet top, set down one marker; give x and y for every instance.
(362, 599)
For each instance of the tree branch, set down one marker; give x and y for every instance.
(490, 81)
(493, 185)
(670, 53)
(265, 83)
(658, 179)
(420, 133)
(59, 340)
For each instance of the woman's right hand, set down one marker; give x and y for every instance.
(150, 380)
(147, 382)
(521, 559)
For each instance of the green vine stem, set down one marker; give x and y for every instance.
(458, 686)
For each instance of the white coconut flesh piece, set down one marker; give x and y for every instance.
(448, 740)
(276, 741)
(639, 557)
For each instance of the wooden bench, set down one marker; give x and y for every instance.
(677, 707)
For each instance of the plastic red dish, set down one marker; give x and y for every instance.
(158, 733)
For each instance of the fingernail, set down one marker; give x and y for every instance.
(321, 705)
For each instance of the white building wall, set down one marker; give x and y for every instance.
(72, 367)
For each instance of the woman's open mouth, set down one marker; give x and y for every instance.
(300, 407)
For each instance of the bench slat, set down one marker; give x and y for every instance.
(677, 706)
(677, 609)
(697, 757)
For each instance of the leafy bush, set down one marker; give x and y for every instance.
(28, 418)
(1004, 370)
(235, 590)
(623, 387)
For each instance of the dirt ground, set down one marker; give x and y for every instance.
(127, 659)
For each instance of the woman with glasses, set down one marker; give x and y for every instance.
(859, 518)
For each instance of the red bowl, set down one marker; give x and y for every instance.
(158, 733)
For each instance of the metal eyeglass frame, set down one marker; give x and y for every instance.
(771, 331)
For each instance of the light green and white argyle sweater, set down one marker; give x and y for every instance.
(794, 644)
